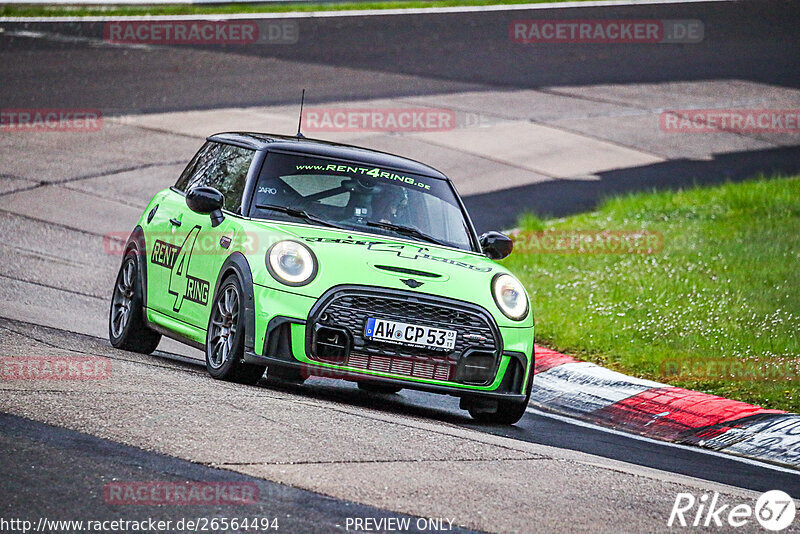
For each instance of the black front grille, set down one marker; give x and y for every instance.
(349, 309)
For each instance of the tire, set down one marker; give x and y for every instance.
(508, 413)
(225, 337)
(374, 387)
(127, 329)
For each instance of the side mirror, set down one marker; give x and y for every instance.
(496, 245)
(206, 200)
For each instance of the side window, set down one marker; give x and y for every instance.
(183, 182)
(223, 167)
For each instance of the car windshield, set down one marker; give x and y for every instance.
(360, 197)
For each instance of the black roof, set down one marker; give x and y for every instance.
(318, 147)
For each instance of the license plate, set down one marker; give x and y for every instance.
(409, 334)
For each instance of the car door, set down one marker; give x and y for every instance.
(200, 249)
(164, 236)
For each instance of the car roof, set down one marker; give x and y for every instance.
(319, 147)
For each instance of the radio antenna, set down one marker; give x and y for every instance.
(300, 122)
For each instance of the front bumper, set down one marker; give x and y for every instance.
(289, 340)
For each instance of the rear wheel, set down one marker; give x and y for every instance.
(225, 337)
(375, 387)
(127, 329)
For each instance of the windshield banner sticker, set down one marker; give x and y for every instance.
(375, 172)
(410, 252)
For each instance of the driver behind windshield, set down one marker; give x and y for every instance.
(360, 197)
(390, 205)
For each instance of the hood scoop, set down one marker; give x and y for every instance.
(407, 271)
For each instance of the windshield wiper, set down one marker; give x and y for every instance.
(301, 214)
(406, 230)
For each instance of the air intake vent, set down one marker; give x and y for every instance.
(331, 344)
(410, 272)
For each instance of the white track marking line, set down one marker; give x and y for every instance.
(584, 424)
(60, 38)
(364, 12)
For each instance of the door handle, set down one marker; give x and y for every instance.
(175, 222)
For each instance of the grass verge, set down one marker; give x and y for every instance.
(34, 10)
(717, 309)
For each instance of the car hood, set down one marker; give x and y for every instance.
(346, 257)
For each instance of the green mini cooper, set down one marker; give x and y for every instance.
(306, 258)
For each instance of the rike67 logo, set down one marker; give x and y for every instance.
(774, 511)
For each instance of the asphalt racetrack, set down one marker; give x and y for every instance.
(546, 128)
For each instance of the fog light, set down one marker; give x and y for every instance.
(475, 368)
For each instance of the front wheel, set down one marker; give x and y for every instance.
(508, 413)
(225, 337)
(126, 325)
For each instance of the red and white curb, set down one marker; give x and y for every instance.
(592, 393)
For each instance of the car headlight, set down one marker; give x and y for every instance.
(291, 263)
(509, 295)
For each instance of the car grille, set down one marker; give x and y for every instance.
(418, 368)
(349, 309)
